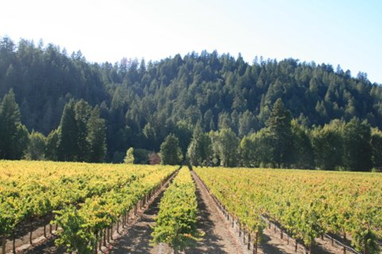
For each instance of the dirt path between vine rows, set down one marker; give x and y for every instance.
(270, 242)
(217, 238)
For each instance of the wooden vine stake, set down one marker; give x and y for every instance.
(44, 230)
(31, 232)
(96, 243)
(50, 224)
(249, 241)
(14, 241)
(100, 240)
(104, 237)
(3, 241)
(255, 243)
(365, 250)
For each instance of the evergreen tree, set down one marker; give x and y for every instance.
(141, 156)
(82, 111)
(21, 142)
(150, 135)
(52, 145)
(376, 143)
(13, 135)
(184, 133)
(357, 146)
(96, 136)
(170, 151)
(247, 123)
(68, 145)
(279, 126)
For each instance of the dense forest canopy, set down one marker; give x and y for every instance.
(143, 102)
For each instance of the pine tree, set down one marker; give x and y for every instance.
(82, 114)
(279, 126)
(67, 145)
(52, 144)
(13, 135)
(96, 136)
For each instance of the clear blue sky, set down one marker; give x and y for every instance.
(345, 32)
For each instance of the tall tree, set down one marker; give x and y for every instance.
(52, 145)
(13, 135)
(376, 143)
(279, 126)
(200, 151)
(170, 151)
(357, 146)
(96, 136)
(263, 148)
(82, 111)
(225, 145)
(246, 151)
(68, 146)
(303, 154)
(328, 147)
(184, 133)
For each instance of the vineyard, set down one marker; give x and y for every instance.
(176, 221)
(306, 204)
(83, 205)
(84, 200)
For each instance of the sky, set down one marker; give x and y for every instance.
(337, 32)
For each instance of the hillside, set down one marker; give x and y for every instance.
(143, 102)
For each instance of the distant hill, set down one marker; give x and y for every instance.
(140, 100)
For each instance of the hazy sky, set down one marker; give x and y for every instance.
(345, 32)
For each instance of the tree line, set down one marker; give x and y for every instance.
(284, 143)
(142, 103)
(81, 135)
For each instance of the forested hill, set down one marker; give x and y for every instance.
(142, 102)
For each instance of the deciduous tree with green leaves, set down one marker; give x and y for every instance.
(170, 151)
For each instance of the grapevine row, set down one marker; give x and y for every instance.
(306, 204)
(84, 227)
(176, 221)
(32, 190)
